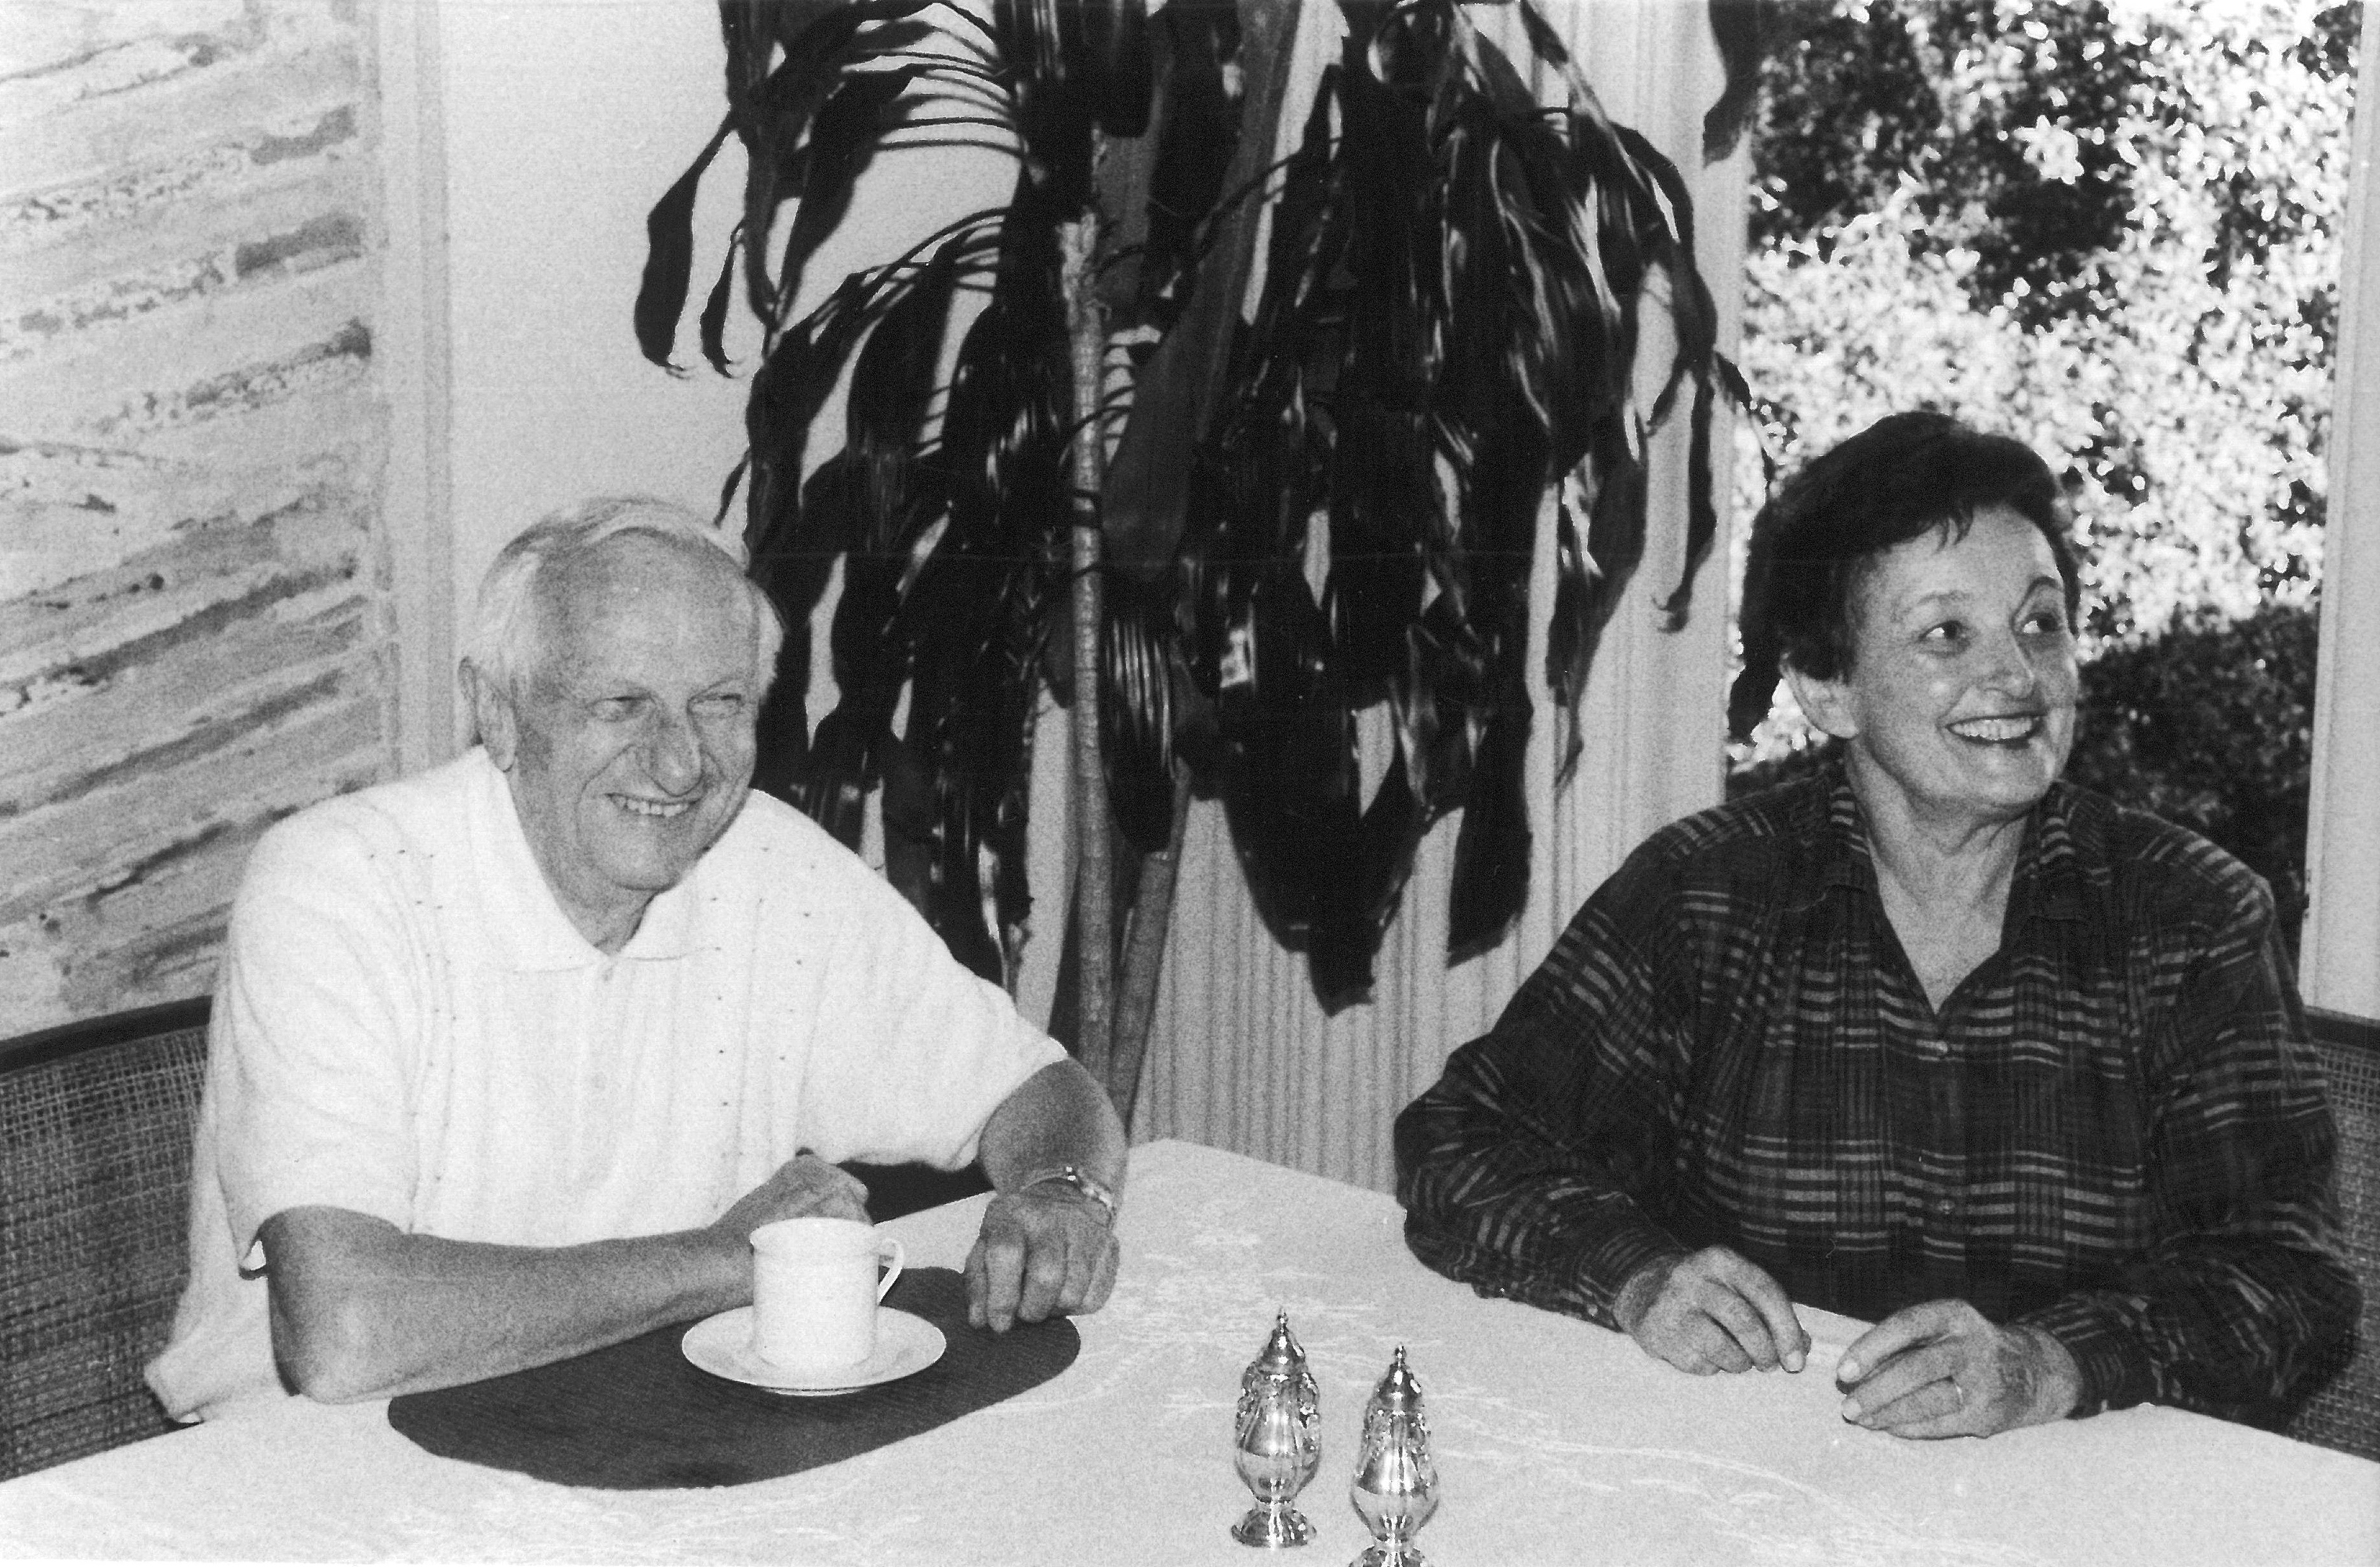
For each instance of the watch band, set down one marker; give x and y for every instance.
(1074, 1175)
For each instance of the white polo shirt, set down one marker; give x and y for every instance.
(407, 1025)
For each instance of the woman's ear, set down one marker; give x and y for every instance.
(1826, 703)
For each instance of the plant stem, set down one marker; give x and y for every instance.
(1146, 929)
(1094, 891)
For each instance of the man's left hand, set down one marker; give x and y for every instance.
(1942, 1369)
(1043, 1252)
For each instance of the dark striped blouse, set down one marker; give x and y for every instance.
(2114, 1128)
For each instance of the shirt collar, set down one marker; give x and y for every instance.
(2048, 880)
(526, 925)
(1834, 832)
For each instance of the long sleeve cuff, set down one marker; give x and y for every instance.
(2113, 1370)
(1576, 1268)
(1625, 1249)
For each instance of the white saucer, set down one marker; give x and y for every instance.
(905, 1344)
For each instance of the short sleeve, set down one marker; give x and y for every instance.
(311, 1042)
(912, 1052)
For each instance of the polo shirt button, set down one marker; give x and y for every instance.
(1945, 1206)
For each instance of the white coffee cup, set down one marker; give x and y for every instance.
(815, 1289)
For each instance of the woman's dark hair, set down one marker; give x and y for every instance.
(1824, 528)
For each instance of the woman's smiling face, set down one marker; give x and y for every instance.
(1960, 694)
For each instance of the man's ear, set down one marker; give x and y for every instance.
(491, 715)
(1826, 703)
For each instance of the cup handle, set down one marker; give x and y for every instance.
(891, 1254)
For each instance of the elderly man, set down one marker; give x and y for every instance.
(509, 1059)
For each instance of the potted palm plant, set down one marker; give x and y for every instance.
(1218, 526)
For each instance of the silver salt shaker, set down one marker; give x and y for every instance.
(1277, 1440)
(1396, 1480)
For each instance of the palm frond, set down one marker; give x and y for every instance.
(669, 258)
(977, 606)
(1328, 504)
(1136, 711)
(1736, 26)
(843, 133)
(1449, 329)
(714, 322)
(1182, 264)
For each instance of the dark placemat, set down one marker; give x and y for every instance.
(637, 1415)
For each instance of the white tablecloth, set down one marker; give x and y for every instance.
(1557, 1443)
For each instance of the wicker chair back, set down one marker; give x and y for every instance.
(95, 1123)
(2346, 1413)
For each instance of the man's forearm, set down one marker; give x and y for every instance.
(362, 1309)
(1045, 1249)
(1058, 1116)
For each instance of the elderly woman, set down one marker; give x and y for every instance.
(1929, 1037)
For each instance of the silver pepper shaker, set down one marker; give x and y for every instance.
(1278, 1440)
(1396, 1480)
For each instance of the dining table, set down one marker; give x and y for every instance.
(1555, 1440)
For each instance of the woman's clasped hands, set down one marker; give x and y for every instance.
(1939, 1368)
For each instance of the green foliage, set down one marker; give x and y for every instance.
(2113, 235)
(2210, 725)
(1448, 330)
(2010, 120)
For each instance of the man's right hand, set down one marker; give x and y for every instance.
(805, 1186)
(1714, 1310)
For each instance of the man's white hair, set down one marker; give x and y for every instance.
(508, 629)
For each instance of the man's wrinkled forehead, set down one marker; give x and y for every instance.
(581, 602)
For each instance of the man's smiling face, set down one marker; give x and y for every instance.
(628, 739)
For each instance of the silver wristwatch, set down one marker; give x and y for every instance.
(1082, 1180)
